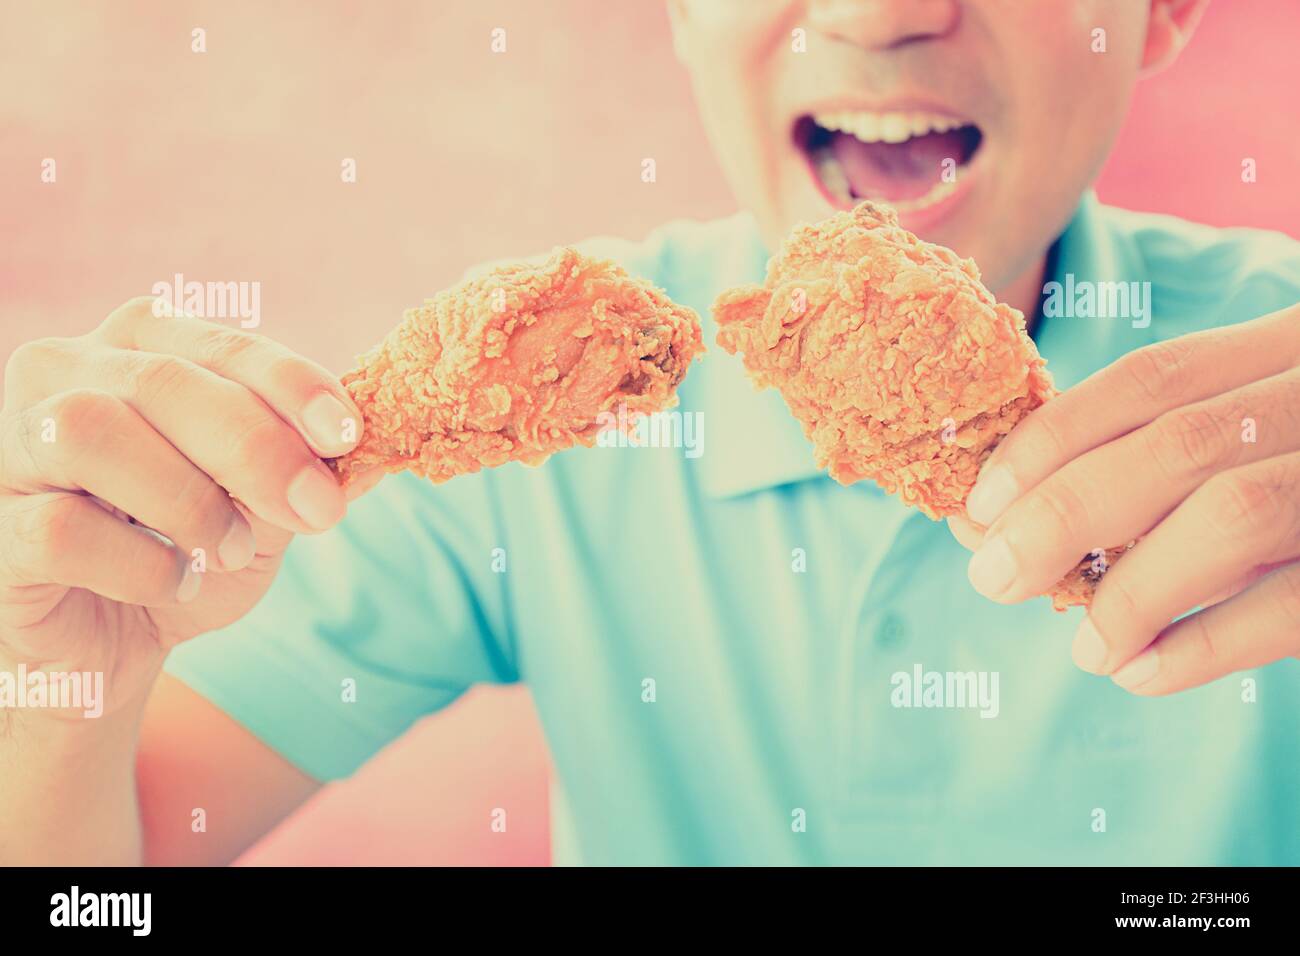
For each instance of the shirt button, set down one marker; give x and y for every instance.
(891, 632)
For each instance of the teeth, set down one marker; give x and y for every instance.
(887, 127)
(920, 125)
(895, 127)
(890, 127)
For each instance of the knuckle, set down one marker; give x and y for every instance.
(138, 304)
(22, 450)
(1287, 596)
(1285, 408)
(283, 366)
(132, 310)
(82, 416)
(256, 443)
(158, 565)
(53, 527)
(157, 378)
(33, 356)
(1116, 601)
(223, 347)
(207, 509)
(1124, 619)
(1060, 506)
(1053, 435)
(1160, 371)
(118, 325)
(10, 536)
(1190, 440)
(1241, 503)
(1043, 436)
(1202, 637)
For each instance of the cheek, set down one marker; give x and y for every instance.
(734, 64)
(1071, 99)
(721, 33)
(1070, 51)
(1065, 105)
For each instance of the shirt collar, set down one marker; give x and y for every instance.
(754, 443)
(1089, 250)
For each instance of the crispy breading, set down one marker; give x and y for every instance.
(516, 365)
(898, 362)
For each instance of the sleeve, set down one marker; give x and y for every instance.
(388, 617)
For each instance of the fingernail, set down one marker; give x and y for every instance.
(993, 493)
(316, 498)
(189, 586)
(1089, 650)
(992, 568)
(236, 549)
(1139, 670)
(325, 419)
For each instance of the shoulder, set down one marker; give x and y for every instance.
(1207, 275)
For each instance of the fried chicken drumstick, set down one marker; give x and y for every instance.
(898, 362)
(517, 365)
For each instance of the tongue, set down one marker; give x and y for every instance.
(896, 171)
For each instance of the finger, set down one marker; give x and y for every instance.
(1116, 492)
(90, 441)
(1136, 389)
(1237, 521)
(364, 481)
(1258, 626)
(968, 534)
(32, 365)
(224, 429)
(217, 423)
(1244, 582)
(68, 540)
(269, 540)
(300, 391)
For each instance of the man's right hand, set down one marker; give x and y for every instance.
(152, 474)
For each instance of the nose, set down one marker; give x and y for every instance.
(882, 24)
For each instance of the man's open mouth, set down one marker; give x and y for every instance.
(911, 160)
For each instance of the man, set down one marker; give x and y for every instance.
(734, 659)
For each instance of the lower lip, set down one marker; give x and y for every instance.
(914, 220)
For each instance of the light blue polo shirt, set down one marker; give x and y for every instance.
(721, 641)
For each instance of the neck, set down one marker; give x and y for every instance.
(1025, 291)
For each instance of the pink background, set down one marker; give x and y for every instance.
(226, 166)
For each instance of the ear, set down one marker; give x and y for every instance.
(1169, 28)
